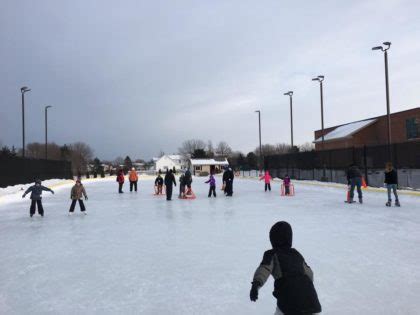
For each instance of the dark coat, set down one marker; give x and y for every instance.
(353, 172)
(159, 181)
(36, 191)
(391, 177)
(170, 179)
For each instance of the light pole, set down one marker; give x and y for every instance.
(259, 126)
(385, 48)
(320, 79)
(290, 93)
(23, 90)
(46, 131)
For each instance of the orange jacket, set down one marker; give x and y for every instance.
(133, 176)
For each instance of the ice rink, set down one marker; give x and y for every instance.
(135, 253)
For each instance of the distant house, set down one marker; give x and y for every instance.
(405, 126)
(167, 162)
(199, 166)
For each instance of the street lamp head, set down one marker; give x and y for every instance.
(257, 111)
(24, 89)
(49, 106)
(377, 48)
(315, 79)
(387, 43)
(290, 93)
(319, 78)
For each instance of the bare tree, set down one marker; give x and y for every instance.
(119, 160)
(306, 147)
(80, 155)
(190, 146)
(210, 149)
(270, 149)
(161, 153)
(223, 149)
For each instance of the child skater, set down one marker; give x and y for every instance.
(391, 182)
(159, 184)
(182, 184)
(36, 197)
(212, 182)
(293, 278)
(76, 194)
(267, 179)
(286, 183)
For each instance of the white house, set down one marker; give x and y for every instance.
(199, 166)
(167, 162)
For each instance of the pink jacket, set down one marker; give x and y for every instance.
(266, 177)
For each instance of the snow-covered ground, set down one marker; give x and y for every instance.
(139, 254)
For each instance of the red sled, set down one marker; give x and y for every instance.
(291, 190)
(163, 192)
(189, 194)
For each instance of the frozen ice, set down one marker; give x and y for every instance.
(136, 253)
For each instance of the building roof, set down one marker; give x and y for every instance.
(197, 162)
(346, 131)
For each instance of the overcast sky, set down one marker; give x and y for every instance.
(137, 77)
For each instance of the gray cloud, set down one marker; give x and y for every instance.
(138, 77)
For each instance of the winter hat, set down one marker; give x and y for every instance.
(38, 181)
(281, 235)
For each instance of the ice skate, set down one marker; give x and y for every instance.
(388, 204)
(397, 203)
(360, 200)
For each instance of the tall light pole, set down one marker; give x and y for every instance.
(320, 79)
(290, 93)
(259, 126)
(23, 90)
(46, 131)
(384, 48)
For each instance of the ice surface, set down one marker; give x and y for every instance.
(346, 130)
(138, 254)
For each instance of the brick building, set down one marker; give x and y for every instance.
(405, 126)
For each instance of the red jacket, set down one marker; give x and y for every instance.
(120, 178)
(266, 177)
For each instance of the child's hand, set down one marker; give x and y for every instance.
(23, 196)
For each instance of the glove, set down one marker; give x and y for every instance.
(52, 191)
(23, 196)
(86, 197)
(253, 295)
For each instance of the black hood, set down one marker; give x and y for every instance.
(281, 235)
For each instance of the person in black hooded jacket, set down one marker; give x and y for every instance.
(36, 197)
(293, 278)
(169, 181)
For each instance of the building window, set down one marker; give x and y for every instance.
(413, 128)
(198, 168)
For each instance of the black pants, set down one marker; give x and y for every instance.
(168, 192)
(267, 186)
(81, 204)
(229, 188)
(212, 190)
(120, 187)
(133, 184)
(40, 208)
(287, 190)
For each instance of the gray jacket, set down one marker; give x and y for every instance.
(36, 191)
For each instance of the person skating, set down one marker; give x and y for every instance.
(77, 193)
(133, 178)
(159, 185)
(391, 182)
(182, 185)
(212, 182)
(293, 278)
(36, 197)
(224, 180)
(354, 178)
(169, 181)
(267, 179)
(188, 182)
(229, 182)
(286, 183)
(120, 180)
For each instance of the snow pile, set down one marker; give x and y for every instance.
(346, 130)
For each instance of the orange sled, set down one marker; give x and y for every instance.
(291, 190)
(189, 194)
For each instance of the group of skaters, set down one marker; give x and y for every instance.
(78, 192)
(355, 181)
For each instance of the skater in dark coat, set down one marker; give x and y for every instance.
(354, 178)
(229, 182)
(36, 197)
(293, 278)
(120, 180)
(169, 181)
(158, 184)
(391, 182)
(224, 180)
(182, 185)
(77, 193)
